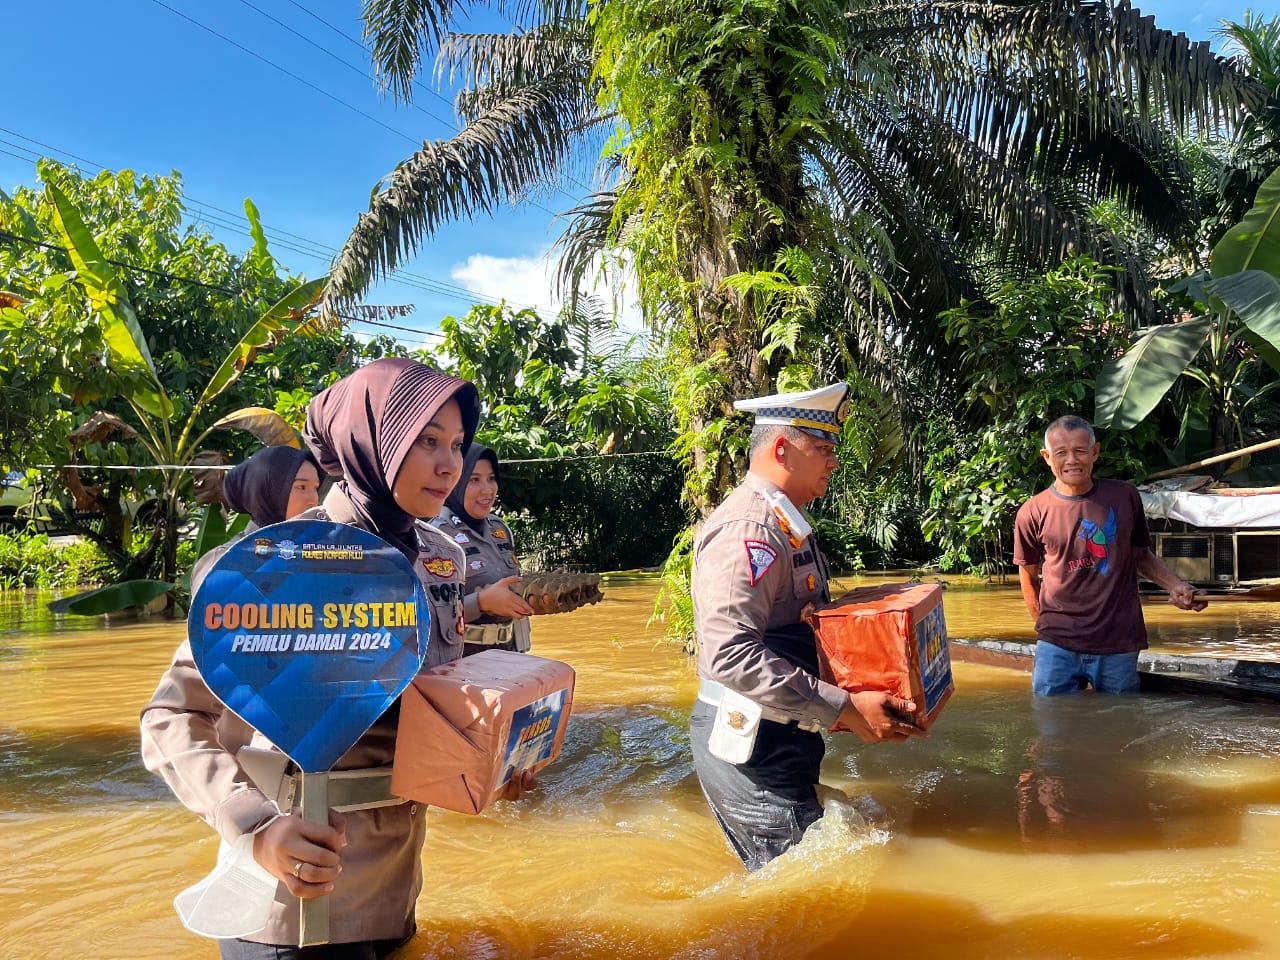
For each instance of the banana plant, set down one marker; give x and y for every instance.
(1219, 349)
(168, 441)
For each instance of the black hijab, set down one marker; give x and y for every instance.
(363, 427)
(261, 485)
(456, 499)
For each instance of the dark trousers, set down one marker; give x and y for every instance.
(764, 805)
(365, 950)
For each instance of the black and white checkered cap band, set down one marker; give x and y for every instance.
(799, 416)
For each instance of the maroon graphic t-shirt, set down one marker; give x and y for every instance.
(1088, 571)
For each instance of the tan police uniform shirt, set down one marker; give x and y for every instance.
(189, 738)
(752, 591)
(490, 557)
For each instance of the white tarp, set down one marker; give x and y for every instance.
(1213, 509)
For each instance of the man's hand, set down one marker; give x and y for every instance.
(875, 715)
(520, 783)
(1186, 597)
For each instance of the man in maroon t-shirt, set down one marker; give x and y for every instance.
(1080, 547)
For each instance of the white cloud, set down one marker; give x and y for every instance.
(529, 282)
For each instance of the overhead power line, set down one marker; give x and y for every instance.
(286, 72)
(239, 223)
(416, 141)
(175, 278)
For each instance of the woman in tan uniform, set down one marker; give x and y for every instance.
(395, 431)
(497, 617)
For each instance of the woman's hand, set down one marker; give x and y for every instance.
(499, 600)
(301, 854)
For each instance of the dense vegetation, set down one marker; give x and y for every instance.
(980, 215)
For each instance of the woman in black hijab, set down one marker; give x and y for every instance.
(497, 617)
(276, 483)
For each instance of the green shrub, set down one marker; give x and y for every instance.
(30, 561)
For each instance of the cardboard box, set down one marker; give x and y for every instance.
(467, 726)
(889, 637)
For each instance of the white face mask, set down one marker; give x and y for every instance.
(232, 901)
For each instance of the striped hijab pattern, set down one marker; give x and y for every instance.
(363, 427)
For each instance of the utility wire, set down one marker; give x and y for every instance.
(329, 53)
(177, 467)
(417, 83)
(198, 209)
(230, 291)
(307, 83)
(286, 72)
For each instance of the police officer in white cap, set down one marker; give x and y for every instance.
(757, 576)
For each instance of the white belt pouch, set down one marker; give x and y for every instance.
(733, 735)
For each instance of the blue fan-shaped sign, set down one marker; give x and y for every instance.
(308, 630)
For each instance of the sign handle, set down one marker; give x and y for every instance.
(314, 921)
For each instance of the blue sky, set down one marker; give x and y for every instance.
(273, 100)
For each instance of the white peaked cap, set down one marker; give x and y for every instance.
(820, 412)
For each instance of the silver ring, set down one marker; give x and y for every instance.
(297, 869)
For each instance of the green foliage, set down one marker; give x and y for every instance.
(560, 421)
(1029, 359)
(870, 515)
(674, 603)
(715, 107)
(136, 333)
(1229, 355)
(132, 594)
(599, 513)
(30, 561)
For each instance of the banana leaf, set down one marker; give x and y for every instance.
(1129, 387)
(266, 425)
(283, 320)
(1254, 242)
(129, 355)
(1254, 297)
(214, 532)
(113, 598)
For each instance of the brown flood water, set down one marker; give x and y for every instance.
(1092, 828)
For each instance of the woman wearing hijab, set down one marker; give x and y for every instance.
(273, 485)
(395, 431)
(497, 618)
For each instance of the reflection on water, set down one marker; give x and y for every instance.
(1082, 828)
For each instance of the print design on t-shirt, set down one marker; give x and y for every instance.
(1096, 541)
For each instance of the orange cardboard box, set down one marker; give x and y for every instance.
(889, 637)
(467, 726)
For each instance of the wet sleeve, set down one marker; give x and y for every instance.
(180, 743)
(739, 571)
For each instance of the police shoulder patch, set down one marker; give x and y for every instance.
(761, 557)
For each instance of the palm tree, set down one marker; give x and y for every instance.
(802, 185)
(1255, 152)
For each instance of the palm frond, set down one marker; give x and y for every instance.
(500, 62)
(583, 242)
(497, 158)
(401, 34)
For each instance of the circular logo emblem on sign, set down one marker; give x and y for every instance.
(309, 630)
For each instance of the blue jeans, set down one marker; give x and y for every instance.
(1060, 671)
